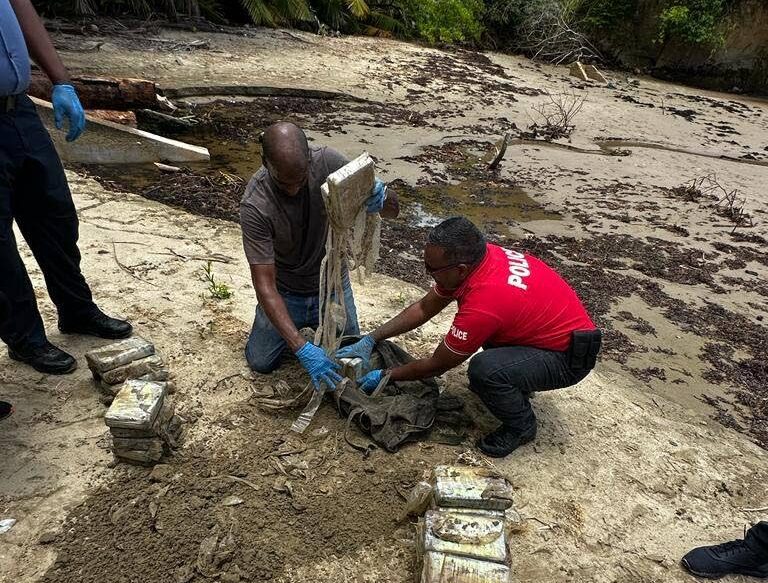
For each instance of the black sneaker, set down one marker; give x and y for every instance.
(98, 324)
(504, 440)
(738, 557)
(46, 358)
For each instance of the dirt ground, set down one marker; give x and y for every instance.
(630, 469)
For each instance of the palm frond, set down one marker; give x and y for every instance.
(331, 12)
(259, 12)
(84, 7)
(384, 22)
(141, 7)
(291, 10)
(210, 9)
(358, 8)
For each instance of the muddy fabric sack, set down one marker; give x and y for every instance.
(401, 411)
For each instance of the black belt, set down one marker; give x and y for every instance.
(8, 103)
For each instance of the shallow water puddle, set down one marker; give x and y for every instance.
(482, 202)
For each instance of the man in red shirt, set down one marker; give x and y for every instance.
(534, 331)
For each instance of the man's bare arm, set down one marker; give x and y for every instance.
(441, 361)
(39, 44)
(265, 284)
(412, 317)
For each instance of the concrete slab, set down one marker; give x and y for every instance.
(105, 142)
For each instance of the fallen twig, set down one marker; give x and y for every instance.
(545, 525)
(127, 269)
(244, 481)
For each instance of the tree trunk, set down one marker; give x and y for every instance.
(102, 93)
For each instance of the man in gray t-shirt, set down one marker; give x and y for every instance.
(284, 224)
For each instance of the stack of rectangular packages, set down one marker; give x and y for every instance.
(141, 416)
(132, 358)
(462, 538)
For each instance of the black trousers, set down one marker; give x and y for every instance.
(759, 535)
(34, 192)
(505, 377)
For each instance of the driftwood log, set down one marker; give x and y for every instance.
(102, 93)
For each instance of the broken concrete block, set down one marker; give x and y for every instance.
(594, 74)
(136, 406)
(150, 368)
(578, 71)
(442, 568)
(464, 487)
(118, 354)
(477, 534)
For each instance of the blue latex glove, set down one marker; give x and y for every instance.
(321, 369)
(360, 349)
(375, 202)
(370, 381)
(66, 104)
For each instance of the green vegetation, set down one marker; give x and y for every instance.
(561, 30)
(602, 15)
(697, 22)
(551, 30)
(446, 21)
(216, 290)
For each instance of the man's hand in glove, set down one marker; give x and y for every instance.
(66, 104)
(375, 202)
(370, 381)
(360, 349)
(320, 368)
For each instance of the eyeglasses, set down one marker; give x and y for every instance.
(431, 271)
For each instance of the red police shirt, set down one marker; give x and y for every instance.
(513, 299)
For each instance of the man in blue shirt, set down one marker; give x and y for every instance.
(34, 193)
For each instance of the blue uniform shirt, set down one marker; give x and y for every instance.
(14, 57)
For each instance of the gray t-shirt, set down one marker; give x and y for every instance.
(289, 231)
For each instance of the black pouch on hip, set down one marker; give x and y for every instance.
(585, 346)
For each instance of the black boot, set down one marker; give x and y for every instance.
(97, 324)
(6, 410)
(738, 557)
(505, 440)
(45, 358)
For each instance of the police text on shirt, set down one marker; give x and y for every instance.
(518, 269)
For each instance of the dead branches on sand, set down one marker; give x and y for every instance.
(554, 118)
(727, 202)
(549, 33)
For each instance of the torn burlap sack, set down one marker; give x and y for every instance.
(401, 411)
